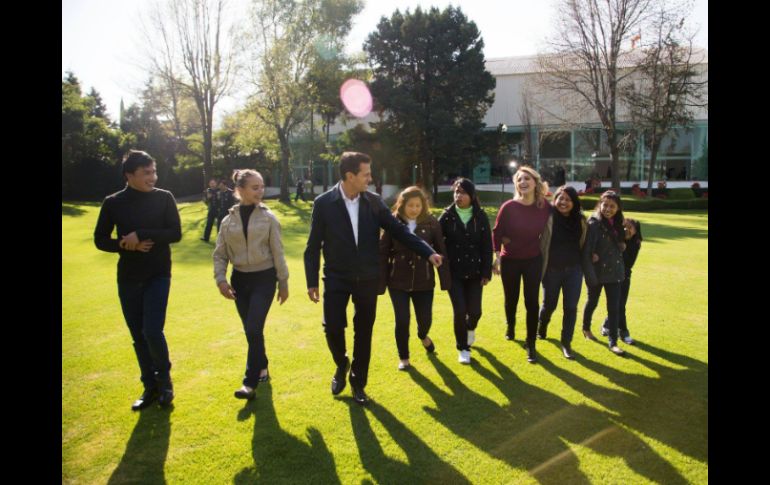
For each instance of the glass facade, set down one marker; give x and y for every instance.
(584, 153)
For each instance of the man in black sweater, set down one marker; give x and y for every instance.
(147, 221)
(346, 224)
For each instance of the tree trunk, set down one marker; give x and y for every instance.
(654, 144)
(285, 155)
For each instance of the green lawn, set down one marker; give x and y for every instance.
(598, 419)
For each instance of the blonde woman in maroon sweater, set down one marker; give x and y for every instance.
(518, 256)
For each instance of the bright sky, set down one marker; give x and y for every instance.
(100, 37)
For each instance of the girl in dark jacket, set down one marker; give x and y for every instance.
(409, 276)
(563, 240)
(517, 239)
(603, 264)
(633, 244)
(468, 239)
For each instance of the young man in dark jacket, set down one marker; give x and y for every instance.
(346, 223)
(147, 221)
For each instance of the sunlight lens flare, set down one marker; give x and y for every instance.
(356, 97)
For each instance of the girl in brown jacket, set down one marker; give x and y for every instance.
(410, 276)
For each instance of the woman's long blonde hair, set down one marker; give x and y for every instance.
(541, 188)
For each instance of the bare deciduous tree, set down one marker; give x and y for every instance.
(669, 84)
(585, 65)
(190, 55)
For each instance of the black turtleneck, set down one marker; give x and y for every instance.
(246, 211)
(153, 215)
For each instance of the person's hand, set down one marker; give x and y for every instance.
(496, 266)
(283, 295)
(435, 259)
(226, 290)
(484, 281)
(145, 246)
(129, 241)
(312, 293)
(594, 258)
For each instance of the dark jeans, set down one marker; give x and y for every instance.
(298, 195)
(337, 293)
(512, 271)
(569, 280)
(210, 218)
(254, 294)
(465, 295)
(423, 312)
(625, 287)
(612, 292)
(144, 308)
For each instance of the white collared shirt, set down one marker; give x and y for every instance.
(352, 207)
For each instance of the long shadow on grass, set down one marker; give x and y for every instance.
(71, 210)
(280, 457)
(424, 465)
(534, 429)
(671, 407)
(677, 398)
(146, 450)
(662, 232)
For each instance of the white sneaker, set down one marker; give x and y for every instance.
(465, 357)
(471, 337)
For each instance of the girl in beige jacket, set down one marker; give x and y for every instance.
(250, 239)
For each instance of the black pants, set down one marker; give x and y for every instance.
(144, 308)
(337, 293)
(612, 291)
(465, 295)
(423, 312)
(210, 218)
(512, 271)
(625, 287)
(254, 294)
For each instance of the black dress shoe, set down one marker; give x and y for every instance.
(338, 381)
(531, 355)
(166, 396)
(567, 351)
(264, 378)
(360, 396)
(148, 397)
(542, 330)
(246, 392)
(509, 333)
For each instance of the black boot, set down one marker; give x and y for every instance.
(531, 353)
(166, 389)
(542, 329)
(509, 332)
(149, 396)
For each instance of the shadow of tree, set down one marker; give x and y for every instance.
(658, 232)
(280, 457)
(71, 210)
(146, 450)
(424, 465)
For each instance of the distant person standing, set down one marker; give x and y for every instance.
(147, 221)
(210, 199)
(225, 200)
(300, 190)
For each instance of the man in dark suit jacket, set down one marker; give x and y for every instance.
(346, 224)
